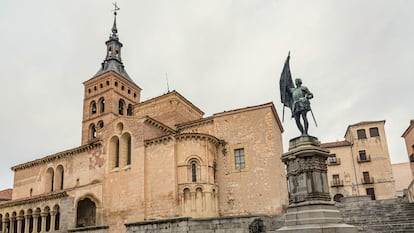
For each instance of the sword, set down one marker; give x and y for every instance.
(314, 118)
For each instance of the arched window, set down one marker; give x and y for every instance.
(49, 180)
(129, 110)
(29, 223)
(121, 106)
(14, 222)
(48, 218)
(93, 107)
(59, 177)
(101, 105)
(125, 149)
(6, 227)
(100, 124)
(193, 172)
(39, 219)
(86, 213)
(57, 218)
(92, 131)
(23, 221)
(114, 152)
(1, 223)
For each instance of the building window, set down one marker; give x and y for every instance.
(129, 110)
(373, 132)
(371, 192)
(102, 105)
(125, 149)
(336, 182)
(114, 151)
(100, 124)
(239, 159)
(49, 180)
(93, 107)
(193, 172)
(333, 159)
(362, 155)
(366, 178)
(121, 106)
(335, 178)
(411, 158)
(92, 131)
(59, 177)
(361, 134)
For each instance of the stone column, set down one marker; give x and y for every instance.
(19, 223)
(43, 226)
(52, 220)
(35, 222)
(12, 222)
(4, 225)
(27, 223)
(193, 201)
(310, 207)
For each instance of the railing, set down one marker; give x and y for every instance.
(369, 180)
(337, 183)
(364, 160)
(332, 162)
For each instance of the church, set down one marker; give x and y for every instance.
(150, 160)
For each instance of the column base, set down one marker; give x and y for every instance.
(315, 217)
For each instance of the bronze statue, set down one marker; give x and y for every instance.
(296, 98)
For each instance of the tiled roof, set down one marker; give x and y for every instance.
(366, 122)
(335, 144)
(6, 194)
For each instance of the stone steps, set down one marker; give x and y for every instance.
(383, 216)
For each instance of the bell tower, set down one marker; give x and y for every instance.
(110, 93)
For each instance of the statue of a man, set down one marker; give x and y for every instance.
(301, 105)
(296, 98)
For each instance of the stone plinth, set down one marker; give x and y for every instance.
(310, 207)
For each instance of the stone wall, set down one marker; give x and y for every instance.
(97, 229)
(239, 224)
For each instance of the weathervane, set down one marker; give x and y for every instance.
(116, 8)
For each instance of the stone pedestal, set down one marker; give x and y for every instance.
(310, 207)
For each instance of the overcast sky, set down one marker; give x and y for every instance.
(355, 56)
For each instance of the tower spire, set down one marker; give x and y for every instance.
(113, 61)
(114, 29)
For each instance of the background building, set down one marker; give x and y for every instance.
(360, 165)
(156, 159)
(402, 177)
(408, 136)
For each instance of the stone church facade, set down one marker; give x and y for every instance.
(150, 160)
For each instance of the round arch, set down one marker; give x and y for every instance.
(337, 197)
(86, 212)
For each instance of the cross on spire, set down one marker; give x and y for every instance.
(114, 29)
(116, 8)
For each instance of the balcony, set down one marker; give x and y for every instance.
(332, 161)
(367, 180)
(364, 159)
(337, 183)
